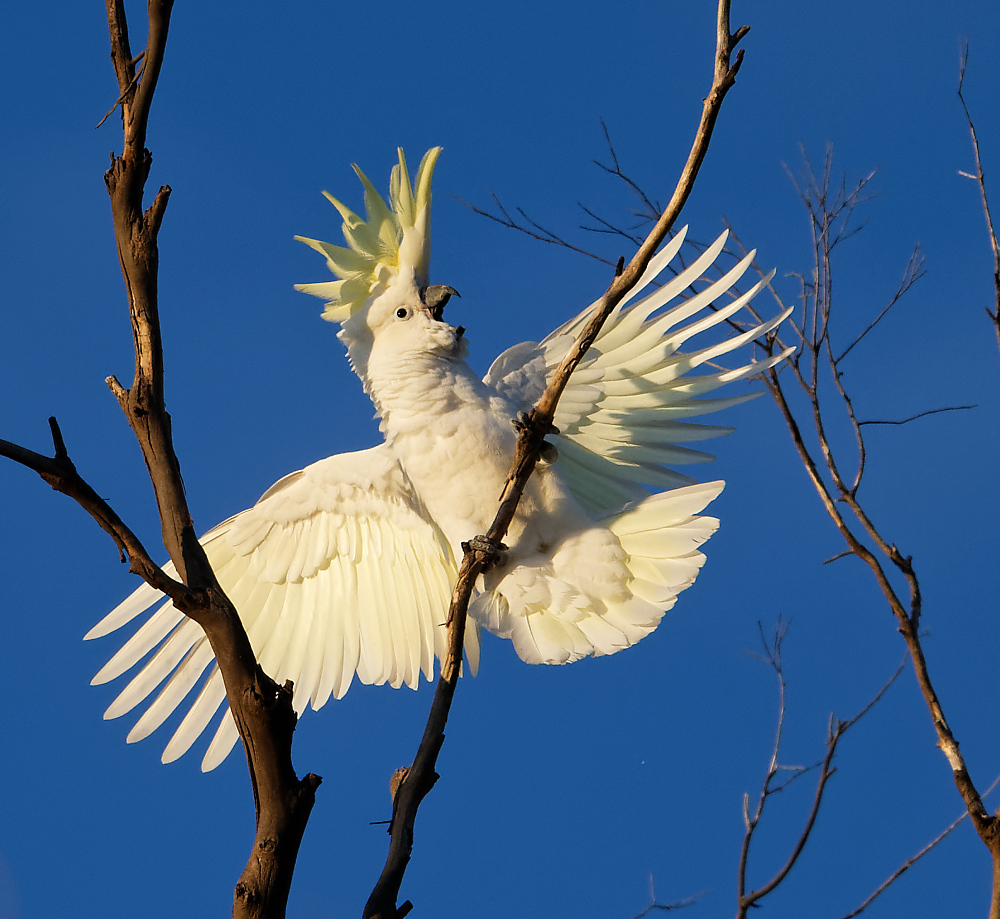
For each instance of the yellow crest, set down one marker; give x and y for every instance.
(395, 237)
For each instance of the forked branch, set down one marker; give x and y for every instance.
(59, 472)
(830, 212)
(262, 709)
(746, 900)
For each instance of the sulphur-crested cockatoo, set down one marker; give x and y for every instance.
(345, 568)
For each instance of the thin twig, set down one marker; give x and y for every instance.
(545, 236)
(124, 93)
(931, 411)
(980, 180)
(668, 907)
(837, 729)
(651, 209)
(838, 556)
(913, 272)
(910, 862)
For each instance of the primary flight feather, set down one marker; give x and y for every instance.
(346, 567)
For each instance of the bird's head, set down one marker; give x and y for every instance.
(382, 293)
(406, 321)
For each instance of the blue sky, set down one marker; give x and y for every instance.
(564, 789)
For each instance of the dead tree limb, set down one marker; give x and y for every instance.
(420, 777)
(816, 366)
(818, 377)
(262, 709)
(980, 180)
(747, 900)
(909, 863)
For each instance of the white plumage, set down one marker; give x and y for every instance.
(346, 567)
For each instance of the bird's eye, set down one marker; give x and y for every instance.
(403, 312)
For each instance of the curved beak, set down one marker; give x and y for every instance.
(436, 296)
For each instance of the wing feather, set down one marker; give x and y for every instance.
(336, 571)
(620, 417)
(222, 743)
(164, 662)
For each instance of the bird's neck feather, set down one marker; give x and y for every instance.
(422, 387)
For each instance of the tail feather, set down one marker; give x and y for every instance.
(602, 589)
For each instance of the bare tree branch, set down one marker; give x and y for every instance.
(913, 272)
(931, 411)
(125, 92)
(539, 233)
(836, 730)
(831, 208)
(420, 777)
(609, 228)
(980, 179)
(650, 209)
(830, 212)
(656, 907)
(262, 709)
(910, 862)
(59, 472)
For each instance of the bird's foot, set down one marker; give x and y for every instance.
(526, 420)
(522, 422)
(495, 552)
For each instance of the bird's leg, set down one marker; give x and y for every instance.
(495, 552)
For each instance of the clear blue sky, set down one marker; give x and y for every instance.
(563, 789)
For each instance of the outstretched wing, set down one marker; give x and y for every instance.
(622, 416)
(336, 570)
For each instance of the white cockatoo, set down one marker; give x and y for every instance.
(346, 567)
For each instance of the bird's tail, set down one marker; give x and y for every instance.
(661, 536)
(605, 588)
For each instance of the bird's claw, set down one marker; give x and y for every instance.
(526, 420)
(495, 552)
(522, 422)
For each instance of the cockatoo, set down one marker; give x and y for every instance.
(346, 567)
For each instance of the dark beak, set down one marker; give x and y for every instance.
(436, 296)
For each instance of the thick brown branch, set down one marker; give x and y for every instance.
(420, 778)
(121, 52)
(137, 95)
(262, 710)
(61, 474)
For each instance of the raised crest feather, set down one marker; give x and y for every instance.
(394, 238)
